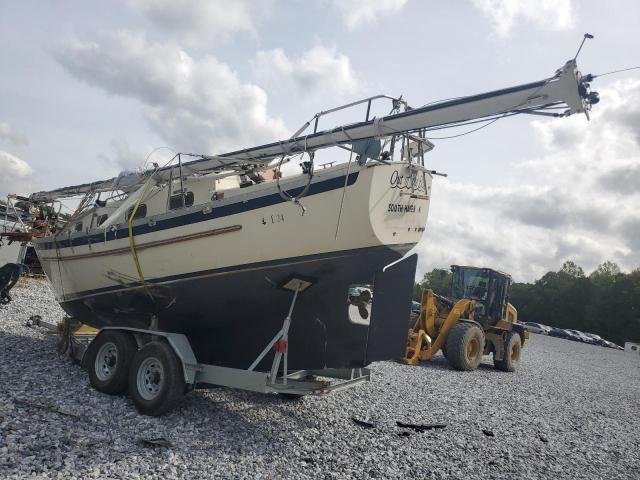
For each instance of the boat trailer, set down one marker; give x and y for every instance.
(143, 361)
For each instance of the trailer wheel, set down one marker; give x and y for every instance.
(109, 359)
(156, 379)
(511, 357)
(465, 346)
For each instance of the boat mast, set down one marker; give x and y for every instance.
(565, 93)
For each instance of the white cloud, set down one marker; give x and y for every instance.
(504, 15)
(15, 174)
(357, 13)
(125, 157)
(9, 134)
(318, 71)
(196, 21)
(577, 201)
(193, 104)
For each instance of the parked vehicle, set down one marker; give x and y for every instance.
(547, 328)
(597, 339)
(562, 333)
(415, 312)
(582, 337)
(415, 307)
(536, 328)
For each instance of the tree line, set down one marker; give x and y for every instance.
(605, 302)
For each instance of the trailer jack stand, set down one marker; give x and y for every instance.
(280, 342)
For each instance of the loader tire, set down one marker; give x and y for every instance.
(512, 350)
(465, 346)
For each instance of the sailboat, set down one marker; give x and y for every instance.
(207, 245)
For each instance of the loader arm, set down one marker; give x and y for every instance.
(428, 334)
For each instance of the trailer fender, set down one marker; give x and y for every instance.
(180, 345)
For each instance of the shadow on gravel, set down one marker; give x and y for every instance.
(48, 398)
(252, 404)
(436, 363)
(441, 363)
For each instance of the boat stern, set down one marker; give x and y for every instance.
(399, 204)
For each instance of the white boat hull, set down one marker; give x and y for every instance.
(216, 269)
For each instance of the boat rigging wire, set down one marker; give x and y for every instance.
(486, 121)
(615, 71)
(486, 124)
(344, 191)
(490, 121)
(154, 151)
(310, 168)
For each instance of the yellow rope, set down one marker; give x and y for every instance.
(132, 242)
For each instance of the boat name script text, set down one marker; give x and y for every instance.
(414, 181)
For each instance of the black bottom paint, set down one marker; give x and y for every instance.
(229, 318)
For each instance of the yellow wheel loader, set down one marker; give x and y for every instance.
(475, 320)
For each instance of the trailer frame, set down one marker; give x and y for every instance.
(299, 382)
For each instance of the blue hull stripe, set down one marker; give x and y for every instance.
(198, 216)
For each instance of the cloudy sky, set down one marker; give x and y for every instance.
(90, 88)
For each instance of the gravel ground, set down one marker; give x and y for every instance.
(571, 411)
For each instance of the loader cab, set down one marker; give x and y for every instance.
(489, 288)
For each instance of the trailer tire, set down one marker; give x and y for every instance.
(444, 350)
(511, 356)
(465, 346)
(109, 359)
(156, 379)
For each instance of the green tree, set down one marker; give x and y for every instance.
(438, 280)
(606, 271)
(571, 269)
(614, 311)
(557, 299)
(607, 302)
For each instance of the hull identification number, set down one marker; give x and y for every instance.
(400, 208)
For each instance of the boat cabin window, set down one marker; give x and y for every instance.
(101, 219)
(180, 200)
(78, 227)
(140, 213)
